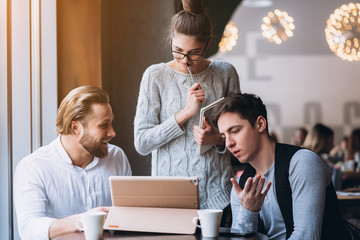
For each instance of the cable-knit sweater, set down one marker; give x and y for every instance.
(163, 93)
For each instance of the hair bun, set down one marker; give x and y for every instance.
(193, 6)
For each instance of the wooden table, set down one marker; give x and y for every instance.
(350, 179)
(349, 201)
(122, 235)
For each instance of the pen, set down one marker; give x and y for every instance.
(188, 67)
(191, 76)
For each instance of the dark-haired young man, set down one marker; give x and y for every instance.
(286, 191)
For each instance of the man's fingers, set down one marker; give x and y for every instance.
(236, 186)
(267, 187)
(255, 184)
(105, 209)
(248, 184)
(260, 185)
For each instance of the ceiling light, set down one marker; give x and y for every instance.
(343, 32)
(229, 38)
(277, 26)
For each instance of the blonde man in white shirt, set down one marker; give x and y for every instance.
(58, 182)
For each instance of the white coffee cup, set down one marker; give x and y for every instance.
(92, 225)
(209, 221)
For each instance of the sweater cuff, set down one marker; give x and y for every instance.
(171, 128)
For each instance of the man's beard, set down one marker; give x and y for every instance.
(92, 146)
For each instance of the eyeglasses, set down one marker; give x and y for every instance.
(190, 57)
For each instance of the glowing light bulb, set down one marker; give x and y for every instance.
(277, 26)
(229, 38)
(343, 32)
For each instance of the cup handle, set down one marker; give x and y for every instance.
(195, 221)
(78, 226)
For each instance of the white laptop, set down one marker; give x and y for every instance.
(153, 204)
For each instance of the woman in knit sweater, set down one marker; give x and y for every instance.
(168, 108)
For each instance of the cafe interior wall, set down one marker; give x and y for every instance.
(301, 81)
(133, 36)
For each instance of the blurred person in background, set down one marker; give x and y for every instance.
(339, 152)
(299, 136)
(354, 148)
(321, 141)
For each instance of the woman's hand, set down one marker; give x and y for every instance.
(252, 197)
(195, 96)
(207, 135)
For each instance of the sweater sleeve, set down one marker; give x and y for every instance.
(308, 176)
(233, 85)
(149, 132)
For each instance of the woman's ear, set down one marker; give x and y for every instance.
(261, 123)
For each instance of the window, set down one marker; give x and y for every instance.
(28, 91)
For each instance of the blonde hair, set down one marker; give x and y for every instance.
(317, 140)
(192, 21)
(76, 106)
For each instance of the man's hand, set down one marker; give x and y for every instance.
(252, 197)
(67, 225)
(99, 209)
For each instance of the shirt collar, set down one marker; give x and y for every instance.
(269, 170)
(62, 152)
(93, 163)
(65, 157)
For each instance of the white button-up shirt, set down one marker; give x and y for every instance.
(47, 186)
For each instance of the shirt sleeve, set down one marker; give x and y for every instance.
(30, 203)
(149, 133)
(244, 220)
(308, 177)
